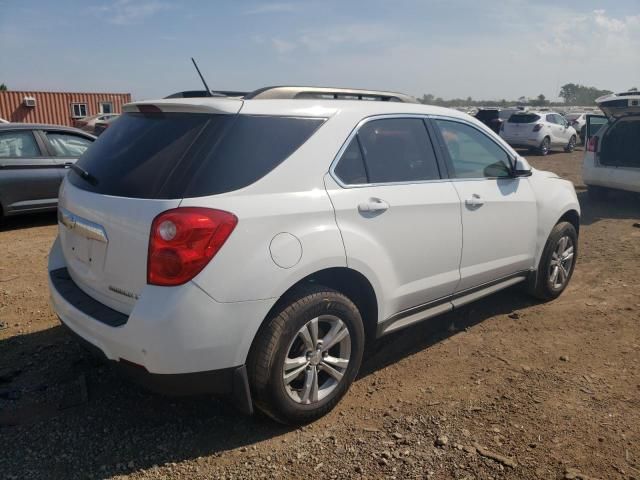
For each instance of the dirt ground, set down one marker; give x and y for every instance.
(504, 388)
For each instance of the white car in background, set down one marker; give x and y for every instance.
(539, 131)
(579, 122)
(612, 156)
(249, 246)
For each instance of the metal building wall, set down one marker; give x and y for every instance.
(55, 107)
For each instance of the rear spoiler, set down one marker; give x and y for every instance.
(210, 105)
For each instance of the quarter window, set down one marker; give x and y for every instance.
(393, 150)
(473, 154)
(20, 144)
(79, 110)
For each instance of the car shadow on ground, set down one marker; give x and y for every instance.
(20, 222)
(615, 204)
(66, 412)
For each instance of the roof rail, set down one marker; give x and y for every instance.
(327, 93)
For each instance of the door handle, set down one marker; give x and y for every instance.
(373, 205)
(68, 164)
(474, 201)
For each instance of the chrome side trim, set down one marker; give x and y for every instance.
(82, 226)
(477, 295)
(431, 309)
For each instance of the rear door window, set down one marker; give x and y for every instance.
(394, 150)
(351, 169)
(178, 155)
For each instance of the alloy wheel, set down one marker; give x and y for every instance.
(544, 148)
(317, 359)
(561, 263)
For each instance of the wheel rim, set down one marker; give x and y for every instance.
(572, 143)
(317, 359)
(561, 263)
(545, 146)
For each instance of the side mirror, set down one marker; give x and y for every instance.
(521, 168)
(522, 173)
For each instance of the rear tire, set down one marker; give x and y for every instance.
(545, 147)
(557, 262)
(571, 146)
(295, 376)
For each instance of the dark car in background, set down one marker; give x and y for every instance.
(495, 117)
(34, 159)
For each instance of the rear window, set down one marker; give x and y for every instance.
(178, 155)
(524, 118)
(486, 115)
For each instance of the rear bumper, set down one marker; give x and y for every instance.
(228, 383)
(522, 142)
(176, 339)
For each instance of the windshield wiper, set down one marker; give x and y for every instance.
(84, 174)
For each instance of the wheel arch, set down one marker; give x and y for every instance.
(345, 280)
(573, 217)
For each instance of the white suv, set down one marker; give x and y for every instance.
(612, 156)
(539, 131)
(249, 246)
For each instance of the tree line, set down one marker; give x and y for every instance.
(571, 94)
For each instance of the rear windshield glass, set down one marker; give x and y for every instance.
(178, 155)
(524, 118)
(486, 115)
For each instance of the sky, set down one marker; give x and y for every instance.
(449, 48)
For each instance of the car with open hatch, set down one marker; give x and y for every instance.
(612, 157)
(248, 245)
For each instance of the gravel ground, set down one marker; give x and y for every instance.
(504, 388)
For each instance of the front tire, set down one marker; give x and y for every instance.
(545, 146)
(571, 146)
(557, 262)
(306, 355)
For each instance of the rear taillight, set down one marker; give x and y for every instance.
(183, 241)
(592, 144)
(537, 127)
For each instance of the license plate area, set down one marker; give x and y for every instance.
(87, 241)
(80, 247)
